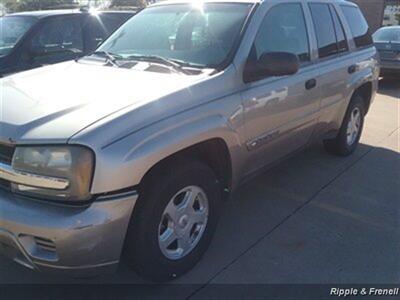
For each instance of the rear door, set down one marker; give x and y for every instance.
(334, 61)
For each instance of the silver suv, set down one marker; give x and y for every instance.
(130, 152)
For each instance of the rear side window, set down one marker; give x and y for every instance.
(340, 35)
(324, 28)
(358, 26)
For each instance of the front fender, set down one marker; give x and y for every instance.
(124, 163)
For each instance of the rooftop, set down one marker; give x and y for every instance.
(48, 13)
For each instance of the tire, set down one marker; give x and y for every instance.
(342, 145)
(143, 250)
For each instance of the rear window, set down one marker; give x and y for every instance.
(358, 26)
(386, 35)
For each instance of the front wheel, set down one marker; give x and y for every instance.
(350, 132)
(174, 220)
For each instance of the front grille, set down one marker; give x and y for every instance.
(6, 153)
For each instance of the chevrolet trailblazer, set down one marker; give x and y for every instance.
(130, 152)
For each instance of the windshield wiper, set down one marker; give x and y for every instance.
(176, 65)
(110, 57)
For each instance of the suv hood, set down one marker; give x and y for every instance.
(51, 104)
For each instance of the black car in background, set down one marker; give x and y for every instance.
(387, 41)
(33, 39)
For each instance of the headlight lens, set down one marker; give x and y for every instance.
(73, 163)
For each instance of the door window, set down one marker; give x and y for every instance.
(58, 38)
(283, 30)
(101, 26)
(324, 28)
(340, 35)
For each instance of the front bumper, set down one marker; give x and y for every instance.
(75, 241)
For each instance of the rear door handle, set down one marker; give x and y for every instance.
(310, 84)
(352, 69)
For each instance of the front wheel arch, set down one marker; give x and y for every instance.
(213, 152)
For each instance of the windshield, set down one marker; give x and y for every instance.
(12, 29)
(387, 35)
(201, 36)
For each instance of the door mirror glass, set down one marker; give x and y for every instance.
(271, 64)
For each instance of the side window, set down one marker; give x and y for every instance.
(101, 26)
(340, 35)
(58, 36)
(358, 26)
(283, 30)
(96, 32)
(112, 21)
(324, 29)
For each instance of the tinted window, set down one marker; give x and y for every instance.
(340, 35)
(112, 21)
(283, 30)
(358, 26)
(102, 26)
(59, 35)
(202, 35)
(324, 29)
(387, 35)
(12, 29)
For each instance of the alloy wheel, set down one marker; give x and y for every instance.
(183, 222)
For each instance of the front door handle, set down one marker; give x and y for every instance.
(352, 69)
(310, 84)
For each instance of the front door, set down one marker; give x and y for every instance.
(59, 39)
(281, 112)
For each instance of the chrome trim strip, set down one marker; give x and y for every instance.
(117, 196)
(19, 177)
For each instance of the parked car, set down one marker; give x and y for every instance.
(133, 149)
(387, 41)
(33, 39)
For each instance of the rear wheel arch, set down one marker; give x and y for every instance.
(365, 92)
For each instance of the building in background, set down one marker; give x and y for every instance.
(391, 15)
(373, 11)
(380, 12)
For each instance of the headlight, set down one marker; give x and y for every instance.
(71, 164)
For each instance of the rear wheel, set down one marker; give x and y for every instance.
(350, 132)
(174, 220)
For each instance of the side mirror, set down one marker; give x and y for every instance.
(271, 64)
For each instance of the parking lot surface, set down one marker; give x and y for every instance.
(313, 219)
